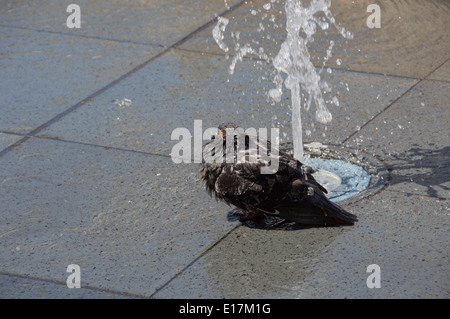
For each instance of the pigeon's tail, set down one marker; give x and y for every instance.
(316, 209)
(332, 213)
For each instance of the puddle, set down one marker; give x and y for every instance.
(348, 174)
(341, 179)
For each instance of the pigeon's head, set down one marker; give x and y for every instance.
(223, 128)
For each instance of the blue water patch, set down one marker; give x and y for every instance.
(354, 178)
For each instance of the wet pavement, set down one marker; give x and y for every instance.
(87, 180)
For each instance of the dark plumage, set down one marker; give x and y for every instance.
(291, 193)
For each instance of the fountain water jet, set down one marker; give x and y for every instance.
(294, 61)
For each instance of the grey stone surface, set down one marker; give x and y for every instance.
(402, 45)
(442, 73)
(130, 221)
(331, 262)
(412, 135)
(407, 236)
(148, 21)
(7, 140)
(15, 287)
(254, 263)
(44, 74)
(162, 92)
(94, 184)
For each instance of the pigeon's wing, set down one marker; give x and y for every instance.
(290, 166)
(208, 173)
(236, 180)
(305, 203)
(242, 182)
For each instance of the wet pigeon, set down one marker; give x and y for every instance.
(291, 192)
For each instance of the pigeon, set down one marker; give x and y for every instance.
(290, 192)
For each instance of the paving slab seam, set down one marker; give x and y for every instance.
(63, 283)
(177, 43)
(79, 104)
(193, 261)
(116, 81)
(387, 166)
(82, 36)
(255, 58)
(393, 102)
(210, 53)
(429, 74)
(109, 290)
(381, 112)
(420, 195)
(436, 80)
(106, 147)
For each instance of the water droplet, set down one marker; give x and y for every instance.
(122, 103)
(335, 101)
(267, 6)
(217, 33)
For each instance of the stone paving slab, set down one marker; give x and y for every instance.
(165, 96)
(148, 22)
(412, 135)
(44, 73)
(130, 221)
(404, 36)
(7, 140)
(406, 235)
(442, 73)
(253, 263)
(393, 232)
(139, 225)
(13, 287)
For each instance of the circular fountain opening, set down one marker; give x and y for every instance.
(341, 179)
(347, 174)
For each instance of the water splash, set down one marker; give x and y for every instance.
(218, 31)
(293, 60)
(123, 103)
